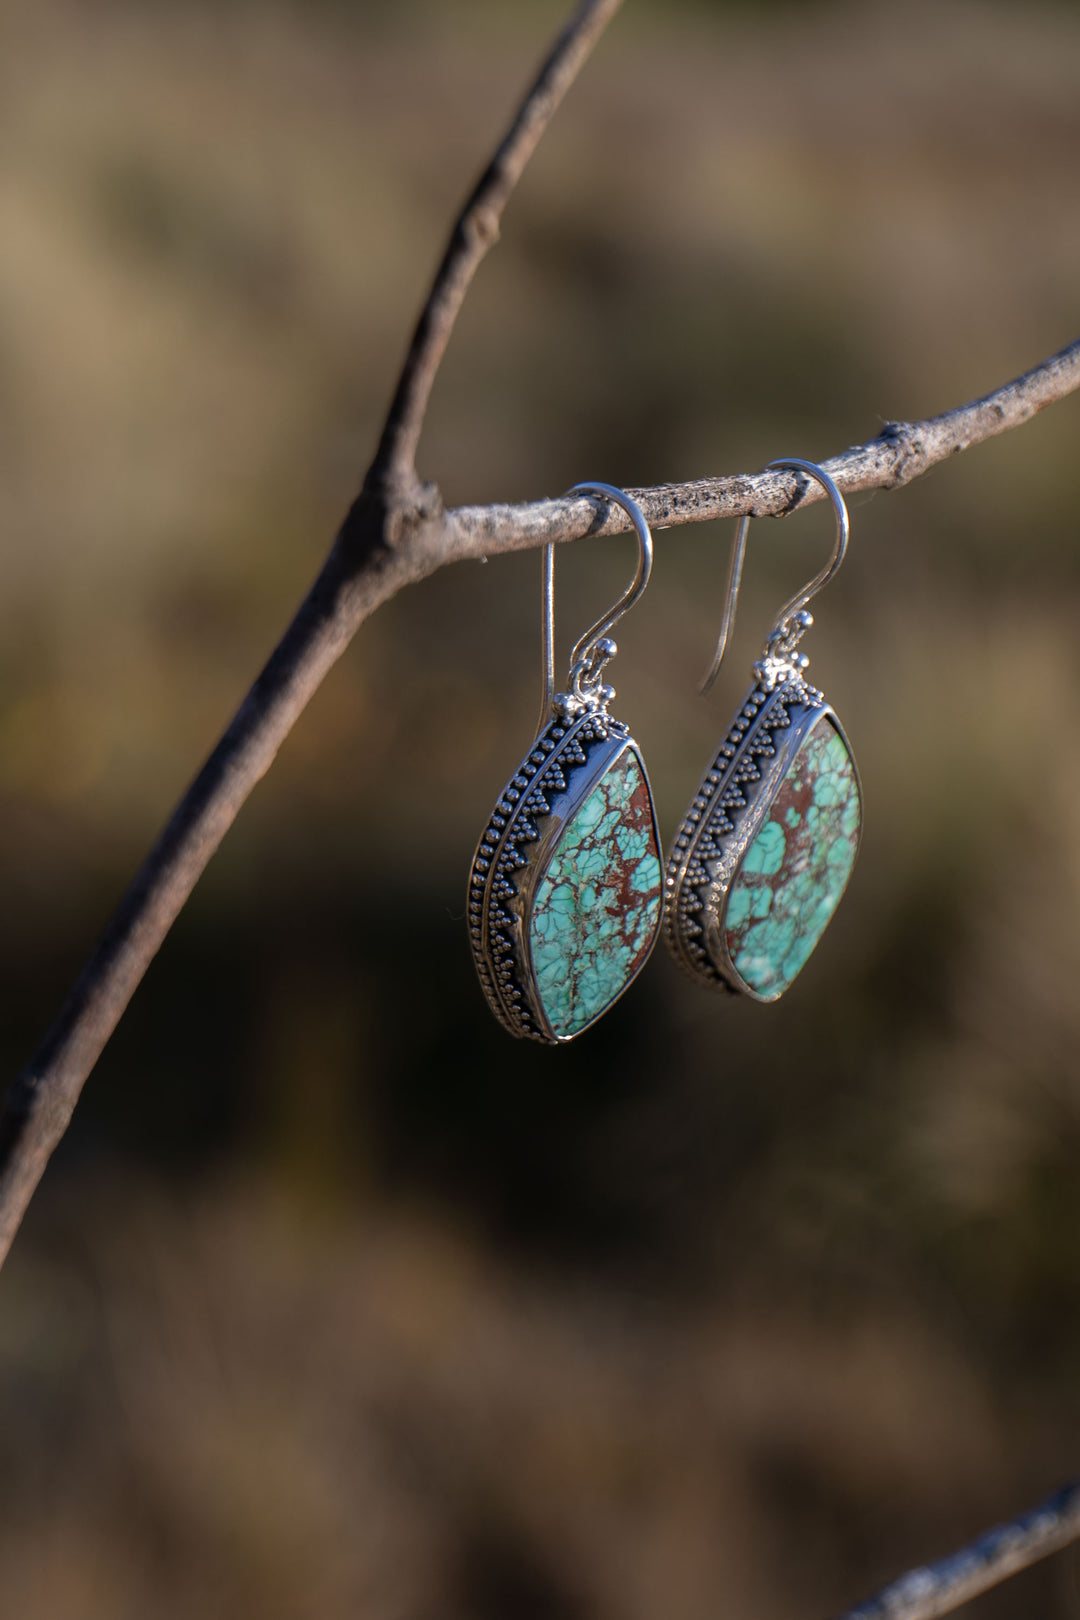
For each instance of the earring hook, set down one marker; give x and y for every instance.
(595, 648)
(784, 630)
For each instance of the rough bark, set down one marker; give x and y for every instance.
(901, 452)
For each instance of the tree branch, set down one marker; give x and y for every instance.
(390, 537)
(477, 230)
(395, 534)
(901, 452)
(923, 1594)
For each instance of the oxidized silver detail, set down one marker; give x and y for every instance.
(574, 751)
(727, 812)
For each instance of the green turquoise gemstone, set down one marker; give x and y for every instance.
(597, 907)
(793, 874)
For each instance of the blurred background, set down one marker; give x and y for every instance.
(336, 1302)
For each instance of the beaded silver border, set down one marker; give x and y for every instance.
(725, 816)
(561, 769)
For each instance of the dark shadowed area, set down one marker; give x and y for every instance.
(337, 1302)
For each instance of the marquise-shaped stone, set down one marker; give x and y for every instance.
(794, 873)
(596, 908)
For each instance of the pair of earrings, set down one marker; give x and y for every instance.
(566, 894)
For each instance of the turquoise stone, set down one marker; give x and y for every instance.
(793, 874)
(597, 907)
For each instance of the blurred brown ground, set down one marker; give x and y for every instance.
(336, 1303)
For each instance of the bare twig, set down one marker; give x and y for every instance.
(477, 230)
(901, 452)
(396, 534)
(923, 1594)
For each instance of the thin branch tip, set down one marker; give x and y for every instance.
(476, 231)
(939, 1588)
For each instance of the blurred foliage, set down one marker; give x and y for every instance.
(335, 1301)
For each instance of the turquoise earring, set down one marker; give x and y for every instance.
(564, 892)
(767, 846)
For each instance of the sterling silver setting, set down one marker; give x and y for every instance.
(553, 781)
(726, 814)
